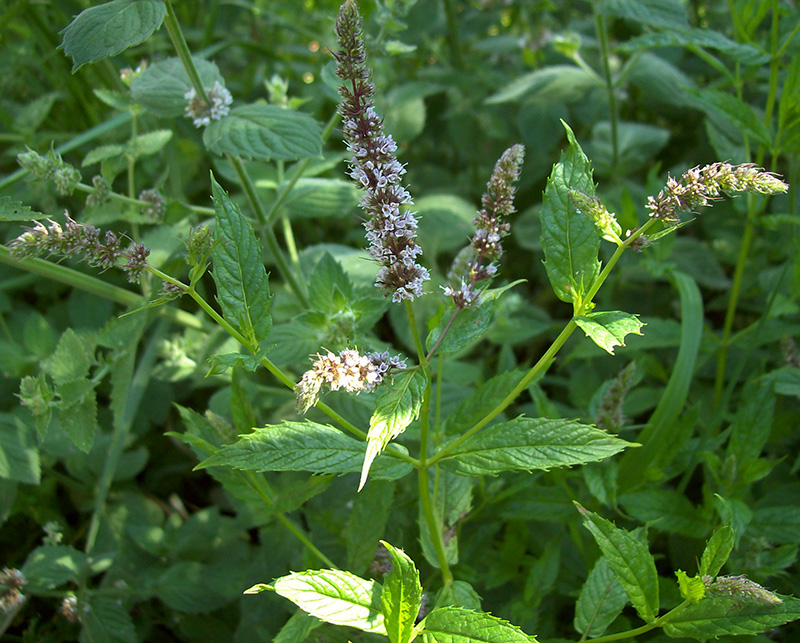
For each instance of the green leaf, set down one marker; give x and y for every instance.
(630, 560)
(221, 363)
(445, 222)
(19, 457)
(608, 329)
(191, 587)
(601, 600)
(786, 381)
(667, 509)
(335, 597)
(79, 418)
(11, 210)
(481, 401)
(264, 132)
(691, 588)
(107, 620)
(366, 524)
(752, 425)
(150, 143)
(50, 566)
(731, 615)
(570, 240)
(327, 281)
(777, 524)
(319, 198)
(110, 28)
(401, 596)
(458, 625)
(739, 113)
(396, 407)
(297, 628)
(302, 446)
(239, 273)
(102, 153)
(717, 550)
(554, 84)
(71, 360)
(531, 443)
(696, 38)
(667, 14)
(162, 86)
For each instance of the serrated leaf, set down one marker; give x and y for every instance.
(239, 273)
(162, 86)
(400, 597)
(297, 628)
(336, 597)
(264, 132)
(752, 425)
(667, 509)
(608, 329)
(470, 325)
(50, 566)
(71, 359)
(221, 363)
(11, 210)
(191, 587)
(601, 600)
(630, 560)
(102, 153)
(459, 625)
(739, 113)
(19, 457)
(531, 443)
(396, 407)
(554, 83)
(301, 446)
(110, 28)
(731, 615)
(149, 143)
(107, 621)
(570, 240)
(328, 279)
(79, 420)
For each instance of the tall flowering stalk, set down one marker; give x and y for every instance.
(391, 227)
(478, 261)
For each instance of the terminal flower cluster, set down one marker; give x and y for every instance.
(51, 168)
(699, 186)
(486, 247)
(83, 242)
(203, 113)
(349, 370)
(391, 227)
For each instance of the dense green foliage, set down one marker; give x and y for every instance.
(158, 480)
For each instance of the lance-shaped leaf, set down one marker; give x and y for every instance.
(570, 239)
(396, 408)
(459, 625)
(239, 273)
(600, 602)
(110, 28)
(531, 443)
(732, 615)
(302, 446)
(264, 132)
(609, 329)
(717, 550)
(336, 597)
(401, 596)
(630, 560)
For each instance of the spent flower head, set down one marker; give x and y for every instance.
(158, 206)
(742, 587)
(698, 187)
(348, 370)
(201, 112)
(11, 583)
(391, 227)
(51, 167)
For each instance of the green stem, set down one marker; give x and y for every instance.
(659, 622)
(119, 437)
(183, 51)
(93, 285)
(453, 39)
(605, 54)
(139, 203)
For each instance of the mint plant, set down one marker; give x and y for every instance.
(425, 366)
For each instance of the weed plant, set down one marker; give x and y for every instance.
(345, 398)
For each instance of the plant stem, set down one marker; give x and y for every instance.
(139, 203)
(659, 622)
(183, 51)
(602, 35)
(453, 40)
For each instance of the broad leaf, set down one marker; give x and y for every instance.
(335, 597)
(570, 239)
(554, 83)
(396, 408)
(732, 615)
(110, 28)
(667, 509)
(630, 560)
(302, 446)
(320, 198)
(106, 619)
(50, 566)
(531, 443)
(11, 210)
(667, 14)
(162, 86)
(19, 457)
(740, 114)
(608, 329)
(460, 625)
(480, 402)
(401, 596)
(600, 602)
(239, 273)
(695, 38)
(264, 132)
